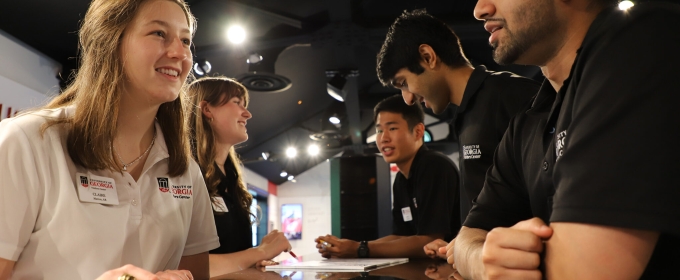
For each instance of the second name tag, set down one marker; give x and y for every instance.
(406, 213)
(97, 189)
(219, 205)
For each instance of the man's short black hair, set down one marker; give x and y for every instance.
(413, 114)
(407, 33)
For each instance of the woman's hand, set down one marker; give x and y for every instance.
(141, 274)
(273, 244)
(263, 263)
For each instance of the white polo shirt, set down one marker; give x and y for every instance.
(52, 234)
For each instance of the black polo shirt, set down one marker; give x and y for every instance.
(516, 186)
(431, 195)
(609, 145)
(233, 227)
(489, 101)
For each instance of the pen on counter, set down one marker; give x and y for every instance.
(292, 254)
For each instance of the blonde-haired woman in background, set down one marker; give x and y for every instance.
(100, 182)
(219, 123)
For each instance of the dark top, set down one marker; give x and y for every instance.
(233, 227)
(489, 101)
(608, 153)
(431, 193)
(516, 187)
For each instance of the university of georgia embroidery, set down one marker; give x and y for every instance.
(471, 152)
(163, 184)
(177, 191)
(560, 141)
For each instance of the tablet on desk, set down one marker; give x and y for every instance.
(338, 265)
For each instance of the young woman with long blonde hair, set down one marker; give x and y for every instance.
(100, 182)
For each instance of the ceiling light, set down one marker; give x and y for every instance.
(254, 58)
(265, 155)
(313, 150)
(334, 120)
(291, 177)
(236, 34)
(291, 152)
(284, 174)
(202, 67)
(625, 5)
(334, 87)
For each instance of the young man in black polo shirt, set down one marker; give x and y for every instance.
(425, 191)
(597, 153)
(423, 58)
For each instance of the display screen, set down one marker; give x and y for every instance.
(291, 221)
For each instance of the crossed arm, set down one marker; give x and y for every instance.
(572, 251)
(386, 247)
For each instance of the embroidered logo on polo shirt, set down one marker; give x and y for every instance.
(163, 184)
(179, 192)
(84, 182)
(182, 192)
(560, 141)
(471, 152)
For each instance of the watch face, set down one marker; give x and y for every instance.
(363, 250)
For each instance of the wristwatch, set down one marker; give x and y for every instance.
(362, 251)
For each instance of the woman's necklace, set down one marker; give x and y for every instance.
(125, 165)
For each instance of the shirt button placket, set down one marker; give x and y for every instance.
(134, 201)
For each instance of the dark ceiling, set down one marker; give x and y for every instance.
(299, 40)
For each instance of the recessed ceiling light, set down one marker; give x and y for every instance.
(313, 150)
(202, 67)
(625, 5)
(236, 34)
(291, 152)
(254, 58)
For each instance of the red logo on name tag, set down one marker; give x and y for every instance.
(84, 182)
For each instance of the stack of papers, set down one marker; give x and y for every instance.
(338, 265)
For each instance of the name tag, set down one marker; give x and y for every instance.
(406, 213)
(219, 205)
(96, 189)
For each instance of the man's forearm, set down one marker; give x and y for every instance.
(400, 246)
(388, 238)
(467, 252)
